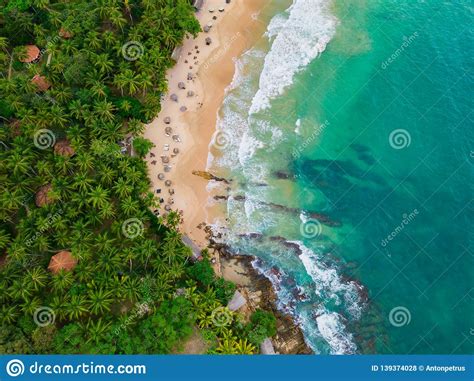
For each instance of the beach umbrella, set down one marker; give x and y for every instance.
(208, 40)
(161, 176)
(181, 86)
(174, 97)
(167, 120)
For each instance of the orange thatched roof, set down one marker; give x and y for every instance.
(62, 261)
(15, 127)
(64, 33)
(41, 197)
(41, 82)
(32, 53)
(63, 148)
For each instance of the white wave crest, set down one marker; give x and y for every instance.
(298, 40)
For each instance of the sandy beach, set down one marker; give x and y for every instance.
(185, 126)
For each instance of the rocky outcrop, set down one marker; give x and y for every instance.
(209, 176)
(259, 293)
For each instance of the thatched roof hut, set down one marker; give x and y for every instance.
(63, 260)
(177, 53)
(41, 197)
(266, 348)
(197, 4)
(32, 54)
(63, 148)
(236, 302)
(15, 126)
(65, 33)
(41, 82)
(194, 248)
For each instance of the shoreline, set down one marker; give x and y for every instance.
(212, 68)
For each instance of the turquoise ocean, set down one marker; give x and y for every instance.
(348, 135)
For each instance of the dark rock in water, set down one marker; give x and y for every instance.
(282, 175)
(218, 197)
(239, 198)
(251, 235)
(210, 176)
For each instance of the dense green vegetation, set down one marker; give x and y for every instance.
(133, 288)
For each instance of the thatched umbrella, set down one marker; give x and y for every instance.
(190, 76)
(175, 151)
(32, 54)
(165, 159)
(63, 148)
(168, 130)
(167, 120)
(208, 40)
(15, 127)
(161, 176)
(168, 183)
(190, 93)
(64, 33)
(62, 261)
(41, 82)
(181, 86)
(41, 197)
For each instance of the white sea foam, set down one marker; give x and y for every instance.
(299, 39)
(333, 331)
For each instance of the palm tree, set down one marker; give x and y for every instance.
(103, 63)
(98, 197)
(76, 307)
(100, 301)
(37, 277)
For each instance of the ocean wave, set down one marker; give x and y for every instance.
(298, 40)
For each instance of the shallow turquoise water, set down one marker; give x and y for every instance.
(357, 173)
